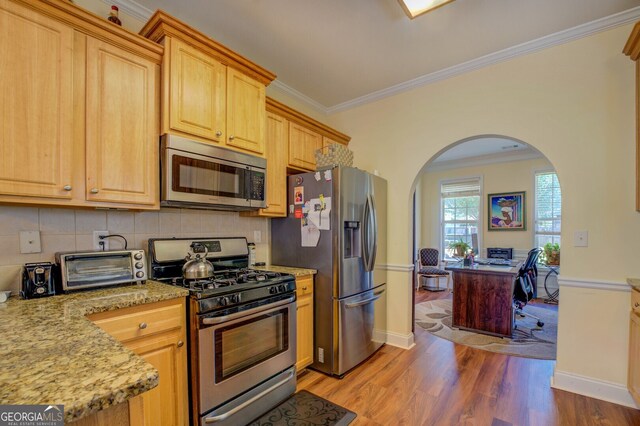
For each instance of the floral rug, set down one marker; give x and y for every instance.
(528, 339)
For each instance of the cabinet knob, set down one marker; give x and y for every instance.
(231, 137)
(180, 343)
(304, 288)
(637, 305)
(218, 133)
(94, 190)
(67, 187)
(142, 325)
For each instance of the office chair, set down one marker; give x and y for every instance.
(525, 285)
(428, 266)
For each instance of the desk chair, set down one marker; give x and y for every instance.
(524, 289)
(428, 266)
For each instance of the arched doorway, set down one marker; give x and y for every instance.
(451, 202)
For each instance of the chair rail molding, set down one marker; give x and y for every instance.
(396, 267)
(596, 284)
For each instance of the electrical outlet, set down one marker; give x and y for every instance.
(581, 239)
(257, 237)
(99, 244)
(30, 242)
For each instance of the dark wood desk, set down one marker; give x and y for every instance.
(483, 298)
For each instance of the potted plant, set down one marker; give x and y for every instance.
(551, 253)
(460, 248)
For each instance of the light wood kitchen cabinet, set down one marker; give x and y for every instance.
(634, 347)
(156, 332)
(305, 136)
(303, 143)
(122, 126)
(277, 129)
(197, 96)
(245, 112)
(632, 49)
(79, 109)
(36, 83)
(304, 318)
(210, 93)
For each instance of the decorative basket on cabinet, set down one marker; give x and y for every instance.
(336, 154)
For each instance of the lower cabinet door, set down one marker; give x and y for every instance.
(167, 404)
(304, 332)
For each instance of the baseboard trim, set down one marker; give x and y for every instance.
(403, 341)
(597, 284)
(593, 388)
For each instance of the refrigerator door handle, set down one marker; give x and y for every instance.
(374, 232)
(366, 301)
(366, 255)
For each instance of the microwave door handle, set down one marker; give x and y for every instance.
(223, 416)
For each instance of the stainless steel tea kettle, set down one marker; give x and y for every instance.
(197, 266)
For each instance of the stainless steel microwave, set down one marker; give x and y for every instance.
(82, 270)
(201, 175)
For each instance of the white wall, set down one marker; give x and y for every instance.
(70, 230)
(575, 104)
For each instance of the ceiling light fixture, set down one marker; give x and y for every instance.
(414, 8)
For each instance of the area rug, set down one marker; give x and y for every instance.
(306, 409)
(528, 339)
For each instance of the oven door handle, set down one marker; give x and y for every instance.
(218, 320)
(250, 401)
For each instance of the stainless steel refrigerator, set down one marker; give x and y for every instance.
(336, 223)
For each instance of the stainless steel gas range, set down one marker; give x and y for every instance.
(242, 330)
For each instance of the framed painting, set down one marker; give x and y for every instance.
(507, 211)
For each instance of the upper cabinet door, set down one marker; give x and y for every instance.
(36, 131)
(276, 153)
(122, 126)
(246, 103)
(303, 144)
(197, 92)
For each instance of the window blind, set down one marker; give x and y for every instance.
(460, 188)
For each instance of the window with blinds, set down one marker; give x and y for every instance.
(548, 209)
(460, 200)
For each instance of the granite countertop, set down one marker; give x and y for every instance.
(52, 354)
(634, 283)
(298, 272)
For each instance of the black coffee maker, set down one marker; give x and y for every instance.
(37, 280)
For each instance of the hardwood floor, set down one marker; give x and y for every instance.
(442, 383)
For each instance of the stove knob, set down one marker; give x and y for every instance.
(282, 288)
(39, 290)
(273, 290)
(139, 274)
(234, 298)
(223, 301)
(137, 256)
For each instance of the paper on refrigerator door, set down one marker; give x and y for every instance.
(319, 213)
(310, 233)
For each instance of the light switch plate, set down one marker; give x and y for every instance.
(30, 242)
(581, 239)
(257, 237)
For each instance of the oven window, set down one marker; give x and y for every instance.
(194, 176)
(242, 345)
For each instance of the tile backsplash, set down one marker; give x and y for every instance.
(69, 230)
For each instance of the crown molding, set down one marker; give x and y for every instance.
(132, 8)
(281, 87)
(483, 160)
(526, 48)
(138, 11)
